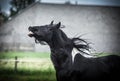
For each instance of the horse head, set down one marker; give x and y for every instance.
(43, 33)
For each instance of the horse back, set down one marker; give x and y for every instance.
(101, 68)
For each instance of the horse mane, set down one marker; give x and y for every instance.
(81, 45)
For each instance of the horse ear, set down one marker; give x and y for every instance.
(58, 25)
(51, 22)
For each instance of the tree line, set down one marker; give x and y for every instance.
(16, 6)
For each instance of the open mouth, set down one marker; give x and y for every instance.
(30, 34)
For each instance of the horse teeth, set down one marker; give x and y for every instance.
(30, 32)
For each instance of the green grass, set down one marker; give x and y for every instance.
(106, 54)
(31, 67)
(8, 55)
(27, 75)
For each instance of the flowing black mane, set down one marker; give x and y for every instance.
(75, 67)
(78, 43)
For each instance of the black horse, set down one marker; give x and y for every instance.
(79, 67)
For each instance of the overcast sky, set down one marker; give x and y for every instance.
(88, 2)
(6, 6)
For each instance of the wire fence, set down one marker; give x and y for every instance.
(17, 63)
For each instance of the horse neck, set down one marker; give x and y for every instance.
(60, 40)
(61, 47)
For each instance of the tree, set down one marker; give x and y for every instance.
(3, 17)
(21, 4)
(17, 5)
(13, 11)
(67, 2)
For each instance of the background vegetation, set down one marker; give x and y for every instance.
(30, 67)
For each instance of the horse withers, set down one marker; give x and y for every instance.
(75, 67)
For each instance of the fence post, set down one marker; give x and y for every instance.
(16, 61)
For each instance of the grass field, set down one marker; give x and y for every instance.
(8, 55)
(30, 67)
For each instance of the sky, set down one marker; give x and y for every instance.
(88, 2)
(6, 5)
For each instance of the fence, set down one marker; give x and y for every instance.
(31, 64)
